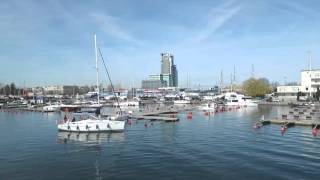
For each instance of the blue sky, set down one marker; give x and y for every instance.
(51, 42)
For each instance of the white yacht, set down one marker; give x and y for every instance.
(92, 124)
(235, 99)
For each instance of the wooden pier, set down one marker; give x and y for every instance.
(166, 115)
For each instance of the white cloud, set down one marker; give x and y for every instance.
(217, 18)
(111, 26)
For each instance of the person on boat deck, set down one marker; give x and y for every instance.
(65, 118)
(73, 119)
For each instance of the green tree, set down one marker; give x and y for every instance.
(7, 90)
(256, 87)
(12, 89)
(317, 95)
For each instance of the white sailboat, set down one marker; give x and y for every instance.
(92, 123)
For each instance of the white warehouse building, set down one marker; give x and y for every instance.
(310, 81)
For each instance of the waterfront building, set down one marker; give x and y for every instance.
(310, 82)
(53, 89)
(168, 79)
(152, 84)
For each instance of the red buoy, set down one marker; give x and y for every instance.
(314, 131)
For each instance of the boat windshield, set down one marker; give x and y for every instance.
(81, 116)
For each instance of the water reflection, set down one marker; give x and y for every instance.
(90, 138)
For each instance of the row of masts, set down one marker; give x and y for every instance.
(233, 76)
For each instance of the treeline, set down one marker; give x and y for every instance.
(10, 89)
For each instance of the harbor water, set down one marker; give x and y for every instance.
(220, 146)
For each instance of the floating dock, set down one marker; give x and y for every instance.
(155, 118)
(293, 122)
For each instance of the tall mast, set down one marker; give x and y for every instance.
(310, 69)
(96, 55)
(252, 70)
(221, 81)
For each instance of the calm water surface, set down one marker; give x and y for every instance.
(223, 146)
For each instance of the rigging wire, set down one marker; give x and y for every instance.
(112, 87)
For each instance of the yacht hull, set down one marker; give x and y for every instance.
(92, 126)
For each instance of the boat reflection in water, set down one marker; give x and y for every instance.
(94, 141)
(89, 138)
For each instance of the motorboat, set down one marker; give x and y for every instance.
(210, 106)
(51, 108)
(127, 104)
(92, 124)
(182, 101)
(70, 108)
(235, 99)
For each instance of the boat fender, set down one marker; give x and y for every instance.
(78, 128)
(87, 127)
(68, 127)
(97, 126)
(145, 124)
(108, 125)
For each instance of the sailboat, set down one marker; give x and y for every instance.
(92, 123)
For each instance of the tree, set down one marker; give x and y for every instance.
(317, 96)
(12, 89)
(256, 87)
(298, 95)
(7, 90)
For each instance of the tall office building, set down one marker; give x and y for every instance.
(168, 76)
(166, 63)
(169, 69)
(174, 76)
